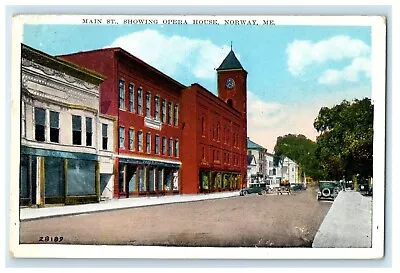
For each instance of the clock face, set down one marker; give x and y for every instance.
(230, 83)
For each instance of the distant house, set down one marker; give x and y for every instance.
(251, 168)
(259, 152)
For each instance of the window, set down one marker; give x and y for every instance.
(164, 145)
(140, 141)
(176, 148)
(104, 128)
(121, 94)
(54, 127)
(148, 99)
(218, 139)
(170, 147)
(148, 143)
(169, 112)
(163, 111)
(89, 132)
(131, 89)
(156, 108)
(273, 171)
(176, 115)
(121, 136)
(40, 124)
(131, 138)
(140, 101)
(203, 126)
(157, 144)
(76, 130)
(23, 119)
(203, 153)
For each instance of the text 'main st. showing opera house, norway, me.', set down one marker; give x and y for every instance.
(104, 124)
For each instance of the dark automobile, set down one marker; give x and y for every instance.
(329, 189)
(260, 188)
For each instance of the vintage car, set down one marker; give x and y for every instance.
(329, 189)
(260, 188)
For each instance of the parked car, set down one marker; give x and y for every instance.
(297, 187)
(260, 188)
(329, 189)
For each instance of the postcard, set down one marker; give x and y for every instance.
(201, 137)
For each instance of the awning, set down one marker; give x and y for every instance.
(148, 162)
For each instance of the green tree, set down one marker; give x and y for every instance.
(300, 149)
(344, 146)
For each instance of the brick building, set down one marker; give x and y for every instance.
(214, 133)
(158, 116)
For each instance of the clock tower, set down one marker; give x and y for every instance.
(232, 83)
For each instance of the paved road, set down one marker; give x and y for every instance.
(253, 220)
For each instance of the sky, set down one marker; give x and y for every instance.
(293, 71)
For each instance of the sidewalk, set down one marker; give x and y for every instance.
(114, 204)
(348, 223)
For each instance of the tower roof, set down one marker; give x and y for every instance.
(230, 62)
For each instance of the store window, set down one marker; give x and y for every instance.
(81, 177)
(54, 177)
(150, 178)
(142, 184)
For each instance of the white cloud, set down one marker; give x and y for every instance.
(172, 53)
(304, 53)
(350, 73)
(267, 121)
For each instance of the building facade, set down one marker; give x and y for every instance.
(214, 132)
(157, 117)
(260, 153)
(146, 105)
(60, 127)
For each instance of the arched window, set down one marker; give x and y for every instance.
(218, 139)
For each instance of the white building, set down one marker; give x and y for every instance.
(290, 171)
(66, 146)
(286, 170)
(259, 154)
(251, 169)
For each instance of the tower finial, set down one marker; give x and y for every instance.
(231, 45)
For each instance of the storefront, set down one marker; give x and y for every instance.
(147, 177)
(213, 181)
(58, 177)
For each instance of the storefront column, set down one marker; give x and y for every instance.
(97, 181)
(41, 181)
(65, 178)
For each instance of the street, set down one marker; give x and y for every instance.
(254, 220)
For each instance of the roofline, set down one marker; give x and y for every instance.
(123, 51)
(208, 91)
(233, 69)
(66, 63)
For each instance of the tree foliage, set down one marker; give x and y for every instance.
(300, 149)
(345, 144)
